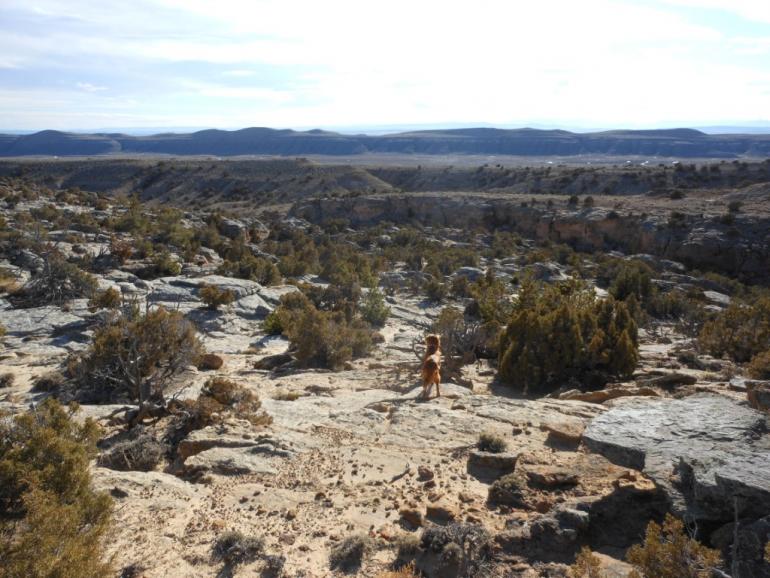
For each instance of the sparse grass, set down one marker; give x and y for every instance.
(6, 380)
(49, 382)
(407, 546)
(8, 283)
(142, 453)
(507, 490)
(492, 443)
(466, 546)
(234, 548)
(349, 554)
(407, 571)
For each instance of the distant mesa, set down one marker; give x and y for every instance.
(679, 142)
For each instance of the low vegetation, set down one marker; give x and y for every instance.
(134, 357)
(407, 571)
(742, 331)
(214, 297)
(373, 308)
(110, 298)
(586, 565)
(220, 399)
(668, 552)
(57, 282)
(492, 443)
(463, 549)
(141, 452)
(349, 554)
(235, 548)
(318, 337)
(562, 334)
(508, 490)
(52, 522)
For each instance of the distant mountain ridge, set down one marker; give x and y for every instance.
(680, 142)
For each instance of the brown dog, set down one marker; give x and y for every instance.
(431, 365)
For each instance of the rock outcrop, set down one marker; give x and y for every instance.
(741, 249)
(707, 452)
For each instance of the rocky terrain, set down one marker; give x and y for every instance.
(738, 246)
(353, 449)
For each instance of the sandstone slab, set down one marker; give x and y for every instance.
(715, 448)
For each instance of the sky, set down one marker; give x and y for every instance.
(85, 65)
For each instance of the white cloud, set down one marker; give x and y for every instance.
(755, 10)
(340, 62)
(238, 73)
(88, 87)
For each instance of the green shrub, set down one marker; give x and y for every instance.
(741, 331)
(214, 297)
(491, 299)
(562, 333)
(759, 368)
(349, 554)
(285, 316)
(328, 339)
(52, 522)
(374, 309)
(121, 250)
(343, 298)
(492, 443)
(134, 357)
(435, 290)
(632, 278)
(163, 265)
(110, 298)
(272, 324)
(251, 267)
(586, 565)
(668, 552)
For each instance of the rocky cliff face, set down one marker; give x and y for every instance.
(741, 248)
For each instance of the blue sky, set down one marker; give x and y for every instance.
(86, 64)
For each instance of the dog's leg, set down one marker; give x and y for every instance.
(438, 389)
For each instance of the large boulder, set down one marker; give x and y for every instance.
(709, 453)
